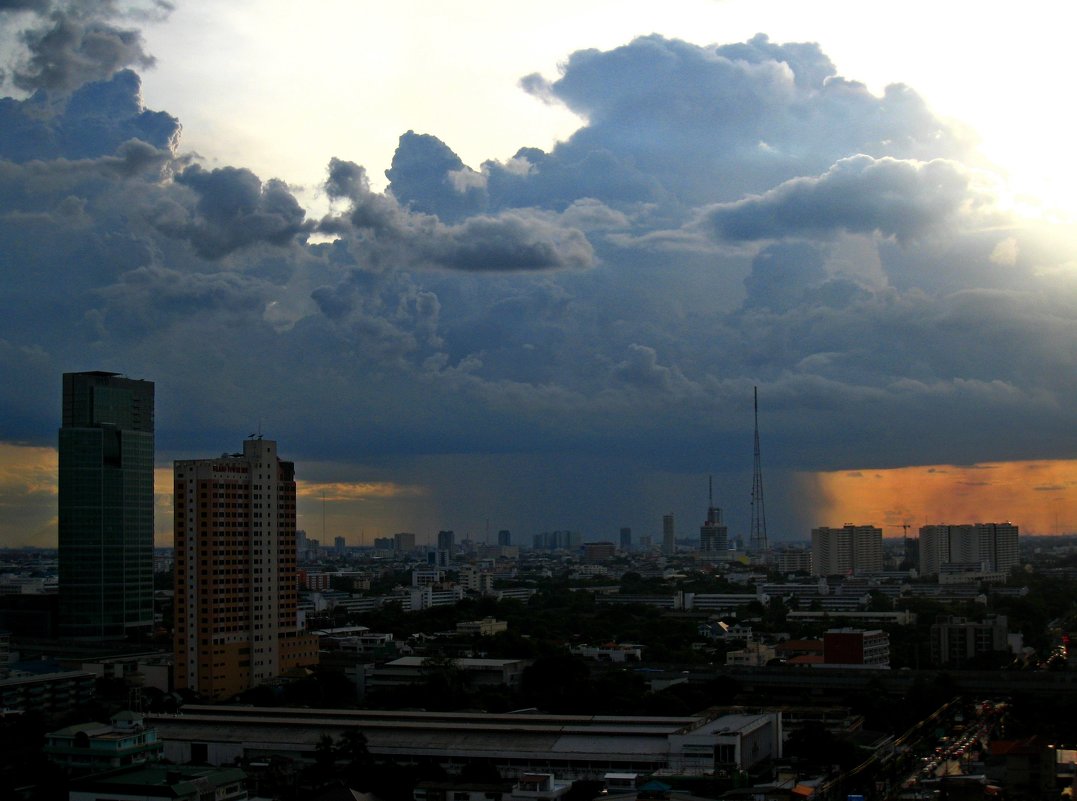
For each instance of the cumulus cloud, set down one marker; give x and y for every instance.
(76, 43)
(859, 194)
(390, 235)
(235, 209)
(713, 123)
(96, 119)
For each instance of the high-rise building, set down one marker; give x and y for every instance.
(235, 572)
(557, 541)
(340, 546)
(404, 542)
(504, 537)
(846, 551)
(626, 539)
(990, 547)
(669, 542)
(713, 536)
(446, 546)
(794, 561)
(105, 506)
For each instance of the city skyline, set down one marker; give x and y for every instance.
(551, 311)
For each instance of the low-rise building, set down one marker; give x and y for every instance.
(487, 627)
(415, 669)
(754, 654)
(52, 694)
(573, 747)
(610, 652)
(172, 782)
(96, 747)
(856, 648)
(538, 787)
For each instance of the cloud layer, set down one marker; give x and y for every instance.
(595, 316)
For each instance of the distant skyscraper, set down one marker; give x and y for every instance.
(105, 506)
(504, 537)
(626, 539)
(340, 546)
(235, 572)
(446, 545)
(403, 542)
(557, 541)
(669, 542)
(713, 536)
(846, 551)
(991, 547)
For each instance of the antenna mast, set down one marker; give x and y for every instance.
(758, 538)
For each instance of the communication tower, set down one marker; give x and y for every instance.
(758, 537)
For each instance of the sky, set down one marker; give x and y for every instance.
(486, 266)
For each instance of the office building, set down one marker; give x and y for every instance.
(794, 561)
(599, 551)
(235, 572)
(446, 546)
(669, 542)
(626, 539)
(403, 542)
(958, 641)
(504, 537)
(847, 551)
(105, 506)
(988, 547)
(713, 536)
(557, 541)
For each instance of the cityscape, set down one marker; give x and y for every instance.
(254, 659)
(586, 402)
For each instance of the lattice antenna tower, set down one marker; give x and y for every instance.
(758, 537)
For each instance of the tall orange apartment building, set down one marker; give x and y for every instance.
(235, 575)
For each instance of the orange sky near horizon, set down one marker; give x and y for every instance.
(1039, 496)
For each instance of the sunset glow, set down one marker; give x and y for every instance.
(1038, 496)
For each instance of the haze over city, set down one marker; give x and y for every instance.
(478, 269)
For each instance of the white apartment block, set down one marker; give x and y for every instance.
(846, 551)
(989, 547)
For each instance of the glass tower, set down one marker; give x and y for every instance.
(106, 506)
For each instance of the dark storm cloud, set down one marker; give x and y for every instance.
(235, 209)
(24, 5)
(727, 217)
(428, 177)
(782, 274)
(93, 121)
(76, 44)
(388, 235)
(858, 194)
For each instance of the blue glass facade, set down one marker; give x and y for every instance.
(106, 506)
